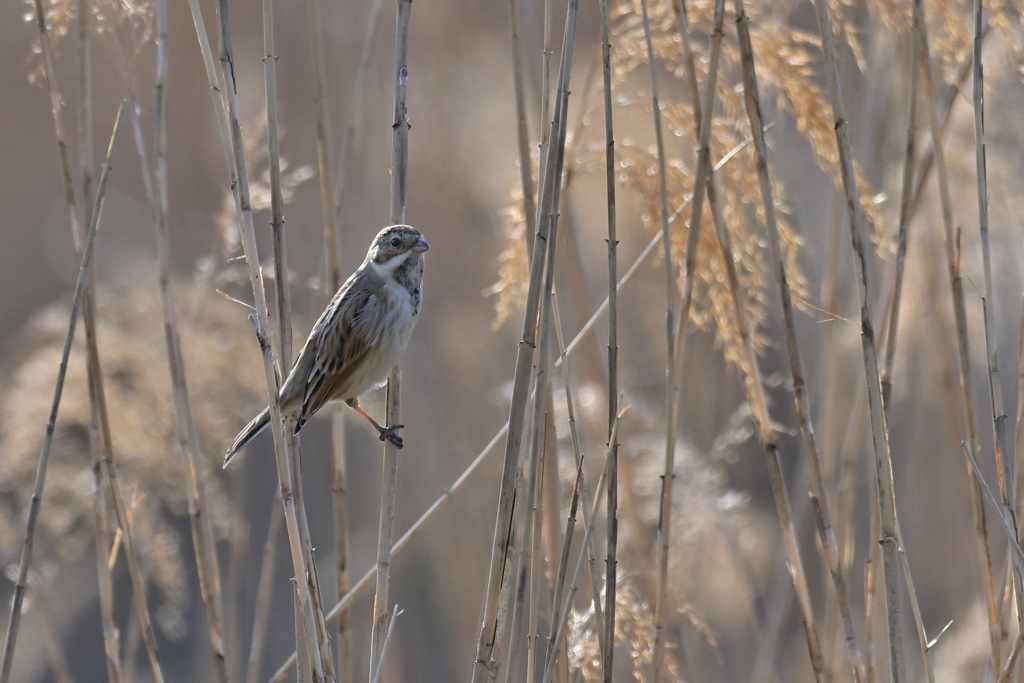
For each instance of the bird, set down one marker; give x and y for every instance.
(358, 339)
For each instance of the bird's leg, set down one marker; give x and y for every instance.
(385, 432)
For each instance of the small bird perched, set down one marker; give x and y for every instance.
(359, 338)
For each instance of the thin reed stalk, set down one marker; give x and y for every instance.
(339, 490)
(595, 575)
(332, 246)
(208, 569)
(284, 322)
(905, 211)
(819, 500)
(606, 622)
(226, 111)
(670, 326)
(541, 521)
(558, 626)
(988, 303)
(389, 479)
(540, 407)
(485, 666)
(387, 641)
(676, 350)
(880, 437)
(1018, 467)
(111, 639)
(563, 561)
(264, 592)
(953, 255)
(665, 520)
(21, 584)
(545, 104)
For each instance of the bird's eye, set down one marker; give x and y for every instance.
(395, 241)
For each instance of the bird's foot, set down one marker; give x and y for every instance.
(390, 434)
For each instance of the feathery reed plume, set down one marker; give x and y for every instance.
(44, 456)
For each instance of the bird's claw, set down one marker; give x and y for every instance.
(389, 434)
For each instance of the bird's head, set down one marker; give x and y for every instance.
(395, 245)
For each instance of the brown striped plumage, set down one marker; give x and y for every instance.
(358, 340)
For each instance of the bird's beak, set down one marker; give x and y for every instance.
(420, 246)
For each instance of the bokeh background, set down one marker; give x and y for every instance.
(733, 609)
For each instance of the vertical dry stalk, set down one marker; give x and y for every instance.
(543, 523)
(558, 626)
(389, 480)
(188, 441)
(21, 584)
(988, 303)
(581, 483)
(111, 639)
(540, 406)
(608, 626)
(820, 504)
(338, 502)
(529, 212)
(676, 347)
(225, 106)
(545, 101)
(283, 309)
(880, 437)
(484, 666)
(666, 245)
(563, 562)
(264, 592)
(905, 212)
(1018, 468)
(332, 245)
(963, 341)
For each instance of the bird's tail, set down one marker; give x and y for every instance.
(246, 435)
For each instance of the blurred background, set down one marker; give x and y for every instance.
(733, 616)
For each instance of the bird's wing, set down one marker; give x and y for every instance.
(347, 338)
